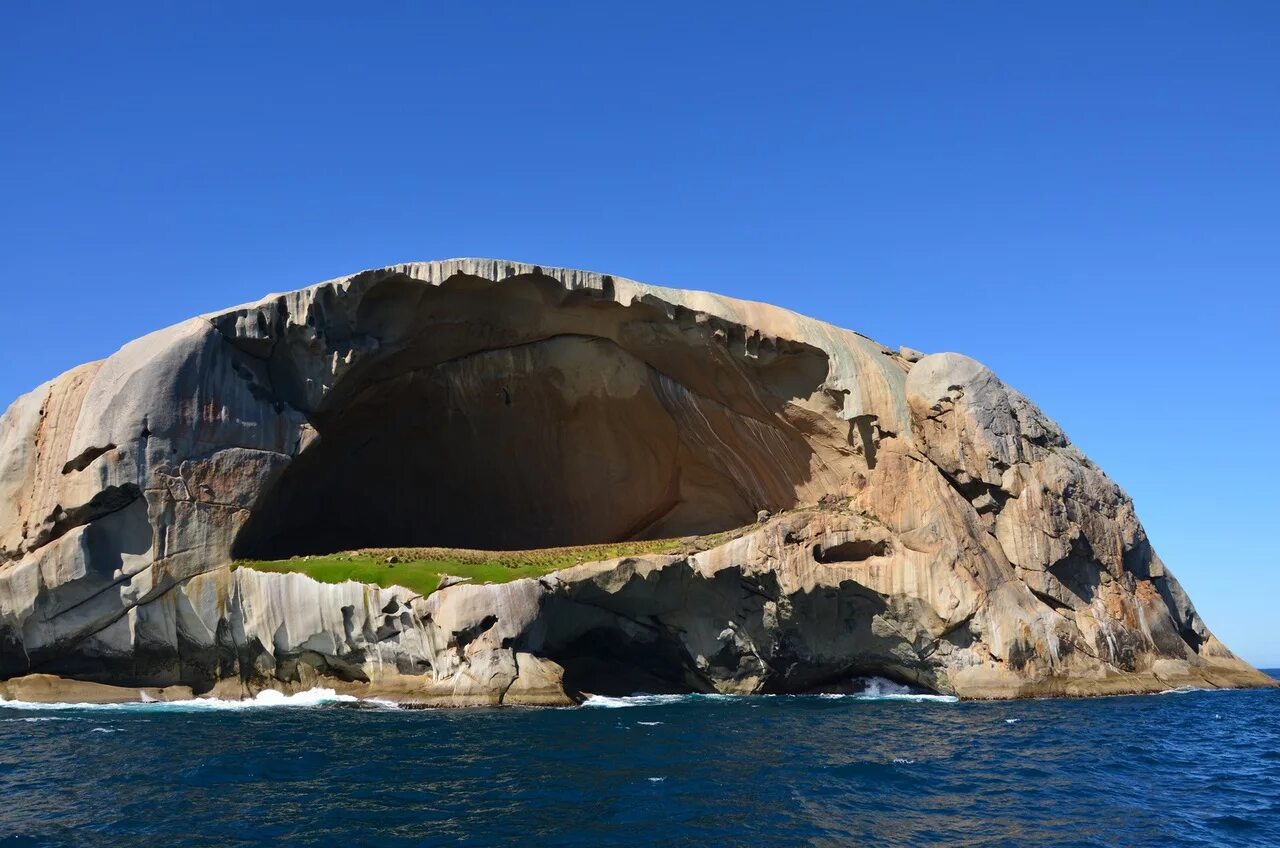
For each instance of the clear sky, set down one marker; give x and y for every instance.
(1084, 196)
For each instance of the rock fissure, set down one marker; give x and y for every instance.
(86, 457)
(60, 521)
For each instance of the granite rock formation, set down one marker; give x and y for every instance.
(926, 522)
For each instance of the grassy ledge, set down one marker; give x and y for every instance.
(420, 569)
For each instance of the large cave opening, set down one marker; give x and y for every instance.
(520, 415)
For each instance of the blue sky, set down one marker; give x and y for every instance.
(1084, 196)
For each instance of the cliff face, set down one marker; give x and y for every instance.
(929, 523)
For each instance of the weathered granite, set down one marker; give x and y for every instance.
(48, 688)
(928, 522)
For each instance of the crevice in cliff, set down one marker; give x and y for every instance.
(86, 457)
(460, 639)
(868, 437)
(1079, 571)
(985, 498)
(61, 520)
(960, 634)
(115, 583)
(268, 393)
(1052, 602)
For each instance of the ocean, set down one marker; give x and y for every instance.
(1185, 768)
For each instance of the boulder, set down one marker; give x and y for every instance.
(896, 514)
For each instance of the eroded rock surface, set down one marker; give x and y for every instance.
(913, 516)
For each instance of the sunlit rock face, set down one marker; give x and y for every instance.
(928, 523)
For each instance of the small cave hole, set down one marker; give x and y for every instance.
(856, 550)
(603, 662)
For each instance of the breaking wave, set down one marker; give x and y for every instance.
(609, 702)
(873, 689)
(883, 689)
(265, 699)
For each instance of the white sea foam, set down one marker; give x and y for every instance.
(874, 689)
(649, 723)
(907, 696)
(883, 689)
(1187, 690)
(608, 702)
(264, 699)
(379, 702)
(1012, 720)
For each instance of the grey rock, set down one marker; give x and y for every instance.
(930, 522)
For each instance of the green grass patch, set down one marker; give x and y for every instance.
(420, 575)
(420, 569)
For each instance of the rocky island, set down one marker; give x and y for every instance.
(788, 506)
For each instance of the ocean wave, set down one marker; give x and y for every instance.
(614, 702)
(1187, 690)
(267, 698)
(883, 689)
(874, 689)
(904, 696)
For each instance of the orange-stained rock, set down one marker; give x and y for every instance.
(903, 514)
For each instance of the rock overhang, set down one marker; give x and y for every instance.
(671, 406)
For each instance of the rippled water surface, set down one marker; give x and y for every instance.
(1193, 768)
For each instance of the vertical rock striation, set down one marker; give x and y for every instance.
(929, 523)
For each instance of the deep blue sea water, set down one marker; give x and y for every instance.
(1187, 768)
